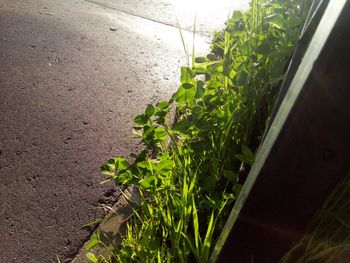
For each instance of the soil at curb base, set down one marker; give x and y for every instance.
(113, 225)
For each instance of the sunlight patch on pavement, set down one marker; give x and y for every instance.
(209, 14)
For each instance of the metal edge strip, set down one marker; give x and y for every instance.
(317, 43)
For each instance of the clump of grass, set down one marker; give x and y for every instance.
(190, 172)
(328, 239)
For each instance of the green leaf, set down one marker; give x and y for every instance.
(282, 52)
(211, 57)
(121, 163)
(187, 75)
(294, 21)
(268, 4)
(247, 155)
(162, 104)
(165, 165)
(149, 110)
(94, 242)
(228, 70)
(264, 47)
(231, 175)
(107, 170)
(242, 78)
(276, 20)
(181, 126)
(124, 177)
(197, 112)
(146, 165)
(160, 133)
(195, 223)
(200, 71)
(208, 63)
(117, 166)
(200, 59)
(149, 181)
(186, 93)
(203, 125)
(90, 256)
(200, 89)
(148, 132)
(141, 119)
(236, 16)
(208, 239)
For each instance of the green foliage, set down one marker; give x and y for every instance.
(188, 173)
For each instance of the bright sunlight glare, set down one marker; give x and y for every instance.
(209, 5)
(210, 14)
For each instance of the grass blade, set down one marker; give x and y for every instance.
(183, 44)
(193, 43)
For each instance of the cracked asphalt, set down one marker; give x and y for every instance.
(73, 75)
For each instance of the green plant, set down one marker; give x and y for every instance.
(191, 170)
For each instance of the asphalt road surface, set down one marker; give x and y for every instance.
(73, 75)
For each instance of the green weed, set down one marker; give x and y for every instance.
(190, 172)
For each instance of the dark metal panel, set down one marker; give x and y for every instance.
(314, 17)
(307, 155)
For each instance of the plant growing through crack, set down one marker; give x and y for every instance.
(190, 171)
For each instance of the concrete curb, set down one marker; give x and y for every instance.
(113, 226)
